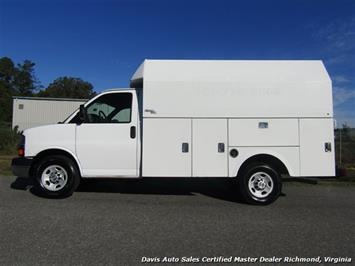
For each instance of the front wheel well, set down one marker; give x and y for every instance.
(50, 152)
(278, 165)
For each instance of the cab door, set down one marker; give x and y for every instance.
(106, 143)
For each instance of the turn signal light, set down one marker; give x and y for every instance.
(21, 152)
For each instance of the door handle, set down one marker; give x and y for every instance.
(221, 147)
(150, 111)
(133, 132)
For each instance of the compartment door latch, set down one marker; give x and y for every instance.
(221, 147)
(185, 147)
(327, 147)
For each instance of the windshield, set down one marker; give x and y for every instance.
(65, 120)
(76, 110)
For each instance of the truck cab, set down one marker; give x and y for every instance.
(107, 137)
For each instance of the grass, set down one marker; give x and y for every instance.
(351, 170)
(9, 139)
(5, 164)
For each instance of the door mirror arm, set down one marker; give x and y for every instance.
(82, 114)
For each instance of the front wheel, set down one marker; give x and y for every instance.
(259, 184)
(57, 176)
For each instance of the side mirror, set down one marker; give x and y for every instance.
(82, 113)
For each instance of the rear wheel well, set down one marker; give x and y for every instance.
(50, 152)
(270, 160)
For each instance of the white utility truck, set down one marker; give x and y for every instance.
(249, 120)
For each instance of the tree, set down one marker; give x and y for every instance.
(25, 82)
(15, 80)
(20, 80)
(7, 70)
(68, 87)
(5, 102)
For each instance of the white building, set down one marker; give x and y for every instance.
(37, 111)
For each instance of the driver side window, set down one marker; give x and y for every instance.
(110, 108)
(98, 110)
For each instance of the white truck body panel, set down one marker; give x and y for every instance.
(262, 102)
(57, 136)
(106, 150)
(164, 156)
(279, 132)
(314, 133)
(280, 139)
(243, 89)
(289, 156)
(207, 160)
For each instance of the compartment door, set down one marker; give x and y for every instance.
(210, 147)
(167, 147)
(317, 147)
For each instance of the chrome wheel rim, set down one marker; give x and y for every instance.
(54, 178)
(260, 185)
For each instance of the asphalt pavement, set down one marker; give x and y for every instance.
(122, 222)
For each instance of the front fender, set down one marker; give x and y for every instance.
(42, 138)
(57, 138)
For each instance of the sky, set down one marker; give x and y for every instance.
(103, 42)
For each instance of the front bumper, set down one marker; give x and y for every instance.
(21, 166)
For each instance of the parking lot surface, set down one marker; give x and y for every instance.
(117, 222)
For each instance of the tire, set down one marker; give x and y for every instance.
(259, 184)
(56, 176)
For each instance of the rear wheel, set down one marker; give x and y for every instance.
(259, 184)
(57, 176)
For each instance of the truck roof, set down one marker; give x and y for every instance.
(232, 70)
(116, 89)
(234, 88)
